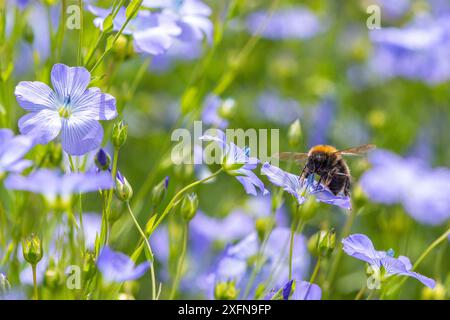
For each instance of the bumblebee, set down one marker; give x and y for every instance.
(328, 163)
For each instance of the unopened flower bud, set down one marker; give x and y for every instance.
(126, 296)
(89, 267)
(226, 291)
(32, 249)
(295, 134)
(124, 191)
(189, 206)
(28, 34)
(102, 160)
(52, 276)
(227, 108)
(159, 191)
(4, 284)
(263, 227)
(322, 243)
(119, 134)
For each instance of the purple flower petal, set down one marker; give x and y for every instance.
(360, 247)
(42, 126)
(306, 291)
(12, 150)
(69, 82)
(35, 96)
(118, 267)
(94, 104)
(288, 181)
(81, 135)
(397, 266)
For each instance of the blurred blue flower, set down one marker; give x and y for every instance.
(234, 263)
(237, 162)
(234, 226)
(35, 50)
(303, 291)
(321, 121)
(92, 223)
(291, 183)
(360, 247)
(12, 150)
(288, 23)
(70, 109)
(211, 114)
(53, 184)
(153, 33)
(192, 16)
(423, 191)
(418, 51)
(178, 51)
(392, 10)
(277, 109)
(118, 267)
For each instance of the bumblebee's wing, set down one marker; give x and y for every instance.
(291, 156)
(356, 150)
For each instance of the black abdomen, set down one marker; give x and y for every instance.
(340, 180)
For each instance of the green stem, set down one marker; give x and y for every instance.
(35, 287)
(166, 211)
(177, 278)
(80, 34)
(294, 226)
(427, 251)
(129, 18)
(104, 233)
(337, 260)
(179, 194)
(316, 270)
(115, 9)
(361, 292)
(149, 248)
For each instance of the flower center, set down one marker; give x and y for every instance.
(64, 111)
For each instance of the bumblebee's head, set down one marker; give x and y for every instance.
(317, 160)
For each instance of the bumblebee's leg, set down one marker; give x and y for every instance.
(304, 175)
(347, 187)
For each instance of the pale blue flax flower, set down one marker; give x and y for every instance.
(192, 16)
(292, 184)
(12, 150)
(236, 264)
(55, 186)
(71, 111)
(118, 267)
(424, 192)
(153, 33)
(237, 162)
(302, 291)
(360, 247)
(298, 23)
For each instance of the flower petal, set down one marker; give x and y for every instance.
(14, 150)
(152, 41)
(42, 126)
(288, 181)
(80, 135)
(397, 266)
(69, 82)
(118, 267)
(34, 96)
(95, 105)
(307, 291)
(360, 247)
